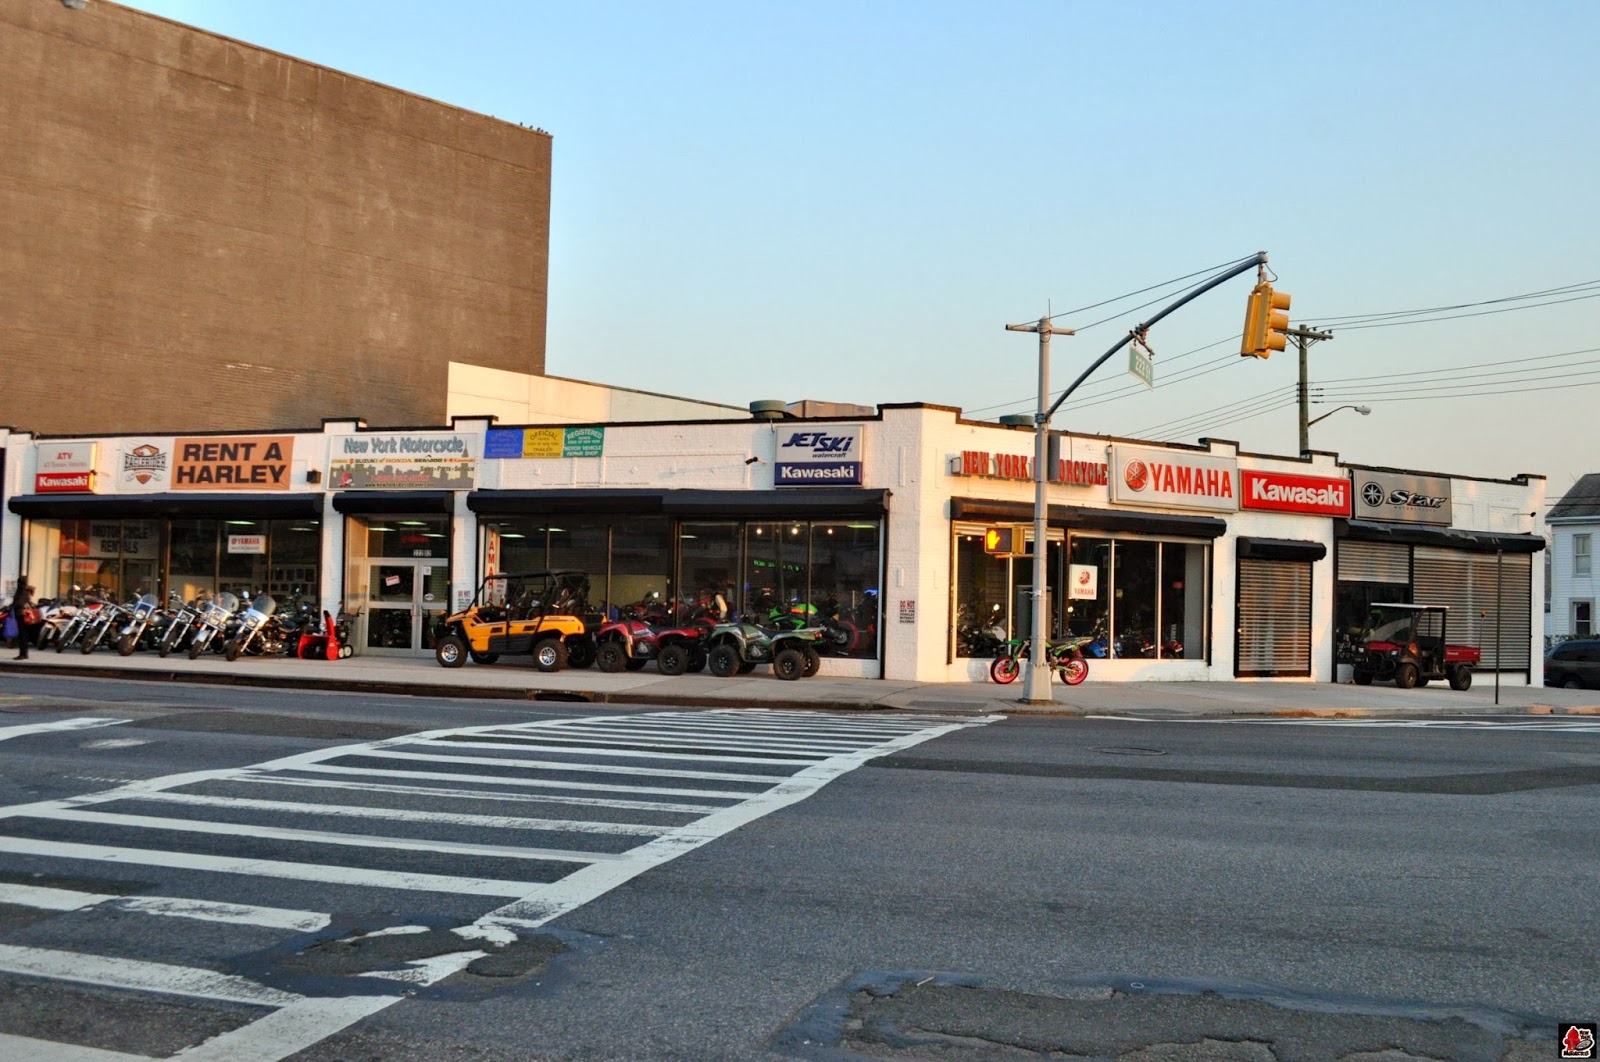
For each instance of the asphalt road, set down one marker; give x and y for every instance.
(237, 873)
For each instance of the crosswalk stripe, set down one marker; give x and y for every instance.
(671, 739)
(263, 868)
(44, 898)
(576, 768)
(60, 725)
(488, 822)
(697, 750)
(24, 1047)
(352, 840)
(139, 976)
(477, 794)
(534, 783)
(540, 743)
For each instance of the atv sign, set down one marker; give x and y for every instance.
(827, 455)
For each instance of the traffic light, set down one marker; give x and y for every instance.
(1010, 540)
(1265, 320)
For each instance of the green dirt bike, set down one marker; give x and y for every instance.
(1065, 658)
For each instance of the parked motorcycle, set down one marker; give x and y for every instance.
(144, 613)
(73, 630)
(213, 623)
(179, 627)
(110, 616)
(261, 632)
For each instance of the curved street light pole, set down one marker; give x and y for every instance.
(1363, 410)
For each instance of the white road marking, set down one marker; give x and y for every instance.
(357, 811)
(23, 1047)
(138, 976)
(1565, 725)
(82, 723)
(43, 898)
(114, 743)
(353, 840)
(561, 766)
(306, 1021)
(263, 868)
(478, 794)
(542, 744)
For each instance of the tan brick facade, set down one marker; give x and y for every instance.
(196, 234)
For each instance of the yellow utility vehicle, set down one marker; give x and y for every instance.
(545, 613)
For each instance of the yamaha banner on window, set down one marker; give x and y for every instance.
(828, 455)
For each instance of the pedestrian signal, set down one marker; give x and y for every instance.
(1010, 540)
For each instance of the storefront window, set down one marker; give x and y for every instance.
(409, 536)
(192, 558)
(983, 593)
(775, 572)
(627, 563)
(641, 562)
(844, 579)
(1091, 617)
(709, 565)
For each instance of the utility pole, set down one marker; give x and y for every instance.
(1302, 338)
(1036, 689)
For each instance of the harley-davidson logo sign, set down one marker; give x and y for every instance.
(144, 463)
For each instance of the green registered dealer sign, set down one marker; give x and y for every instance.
(583, 442)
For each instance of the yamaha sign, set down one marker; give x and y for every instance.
(818, 456)
(1402, 499)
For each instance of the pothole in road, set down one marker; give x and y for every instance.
(905, 1016)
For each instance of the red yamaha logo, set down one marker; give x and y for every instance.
(1136, 475)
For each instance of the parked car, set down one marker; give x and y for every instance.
(1574, 664)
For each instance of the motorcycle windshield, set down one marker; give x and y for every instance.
(264, 605)
(226, 600)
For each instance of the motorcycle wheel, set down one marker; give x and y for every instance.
(61, 642)
(1005, 670)
(1073, 670)
(88, 644)
(127, 644)
(197, 647)
(168, 642)
(233, 649)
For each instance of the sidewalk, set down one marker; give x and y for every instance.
(518, 681)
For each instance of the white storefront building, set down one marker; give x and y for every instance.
(1184, 562)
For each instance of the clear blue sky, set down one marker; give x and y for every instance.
(849, 200)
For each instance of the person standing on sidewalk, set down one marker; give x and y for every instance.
(21, 605)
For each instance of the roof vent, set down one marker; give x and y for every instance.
(768, 409)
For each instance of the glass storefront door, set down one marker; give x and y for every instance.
(406, 599)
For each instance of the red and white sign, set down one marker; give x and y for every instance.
(63, 482)
(247, 544)
(1174, 478)
(1083, 582)
(64, 467)
(1281, 492)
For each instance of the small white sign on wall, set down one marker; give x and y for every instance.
(1083, 582)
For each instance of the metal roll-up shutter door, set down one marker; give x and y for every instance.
(1373, 562)
(1274, 618)
(1466, 583)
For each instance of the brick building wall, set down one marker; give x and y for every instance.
(197, 234)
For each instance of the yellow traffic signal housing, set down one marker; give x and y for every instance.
(1265, 321)
(1010, 540)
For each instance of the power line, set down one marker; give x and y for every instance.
(1351, 320)
(1458, 316)
(1213, 424)
(1429, 397)
(1022, 404)
(1475, 365)
(1274, 392)
(1152, 287)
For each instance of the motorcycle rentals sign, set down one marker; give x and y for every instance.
(64, 467)
(1400, 498)
(245, 462)
(825, 456)
(1174, 478)
(438, 460)
(1280, 492)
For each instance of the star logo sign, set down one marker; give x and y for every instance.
(1372, 493)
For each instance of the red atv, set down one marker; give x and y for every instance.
(632, 643)
(1406, 643)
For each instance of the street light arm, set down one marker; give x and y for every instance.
(1363, 410)
(1255, 260)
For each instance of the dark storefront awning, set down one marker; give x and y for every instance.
(1289, 549)
(393, 502)
(1077, 516)
(1448, 537)
(141, 506)
(770, 504)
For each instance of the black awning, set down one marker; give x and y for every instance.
(773, 504)
(1081, 517)
(1289, 549)
(777, 504)
(394, 502)
(262, 505)
(537, 502)
(1447, 537)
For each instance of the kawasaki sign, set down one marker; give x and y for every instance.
(820, 456)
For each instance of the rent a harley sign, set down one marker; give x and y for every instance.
(823, 456)
(1174, 478)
